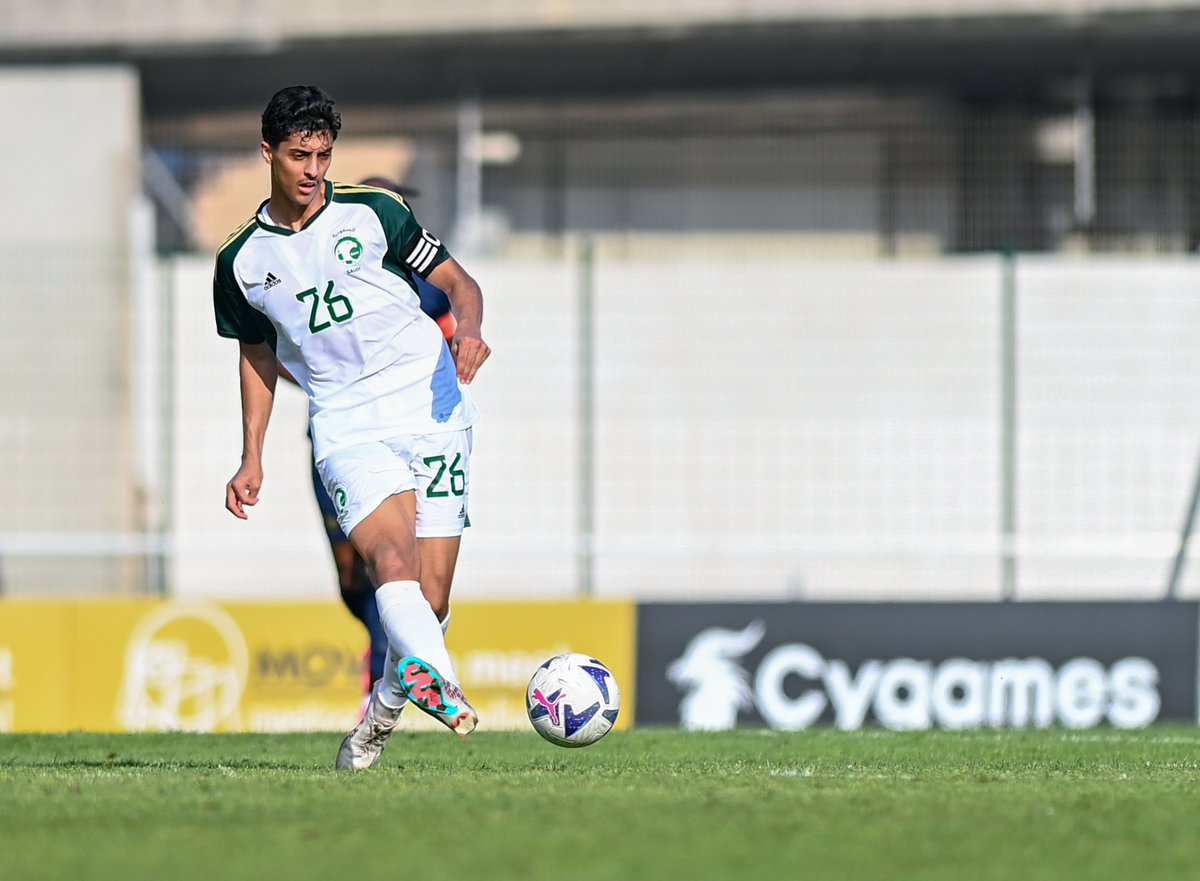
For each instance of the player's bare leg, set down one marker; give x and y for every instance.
(412, 598)
(419, 667)
(439, 696)
(387, 543)
(439, 557)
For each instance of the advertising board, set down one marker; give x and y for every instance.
(917, 665)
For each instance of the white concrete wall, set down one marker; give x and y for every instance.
(70, 184)
(281, 551)
(786, 429)
(1109, 440)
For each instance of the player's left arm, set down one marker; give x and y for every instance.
(466, 301)
(426, 257)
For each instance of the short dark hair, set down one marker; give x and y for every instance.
(303, 109)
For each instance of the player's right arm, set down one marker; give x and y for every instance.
(258, 371)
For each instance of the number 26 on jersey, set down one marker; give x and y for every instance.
(337, 308)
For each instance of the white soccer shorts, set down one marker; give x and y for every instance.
(437, 466)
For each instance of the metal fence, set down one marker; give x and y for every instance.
(862, 174)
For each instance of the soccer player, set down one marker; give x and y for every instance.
(321, 277)
(354, 585)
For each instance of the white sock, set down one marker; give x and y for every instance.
(390, 693)
(412, 629)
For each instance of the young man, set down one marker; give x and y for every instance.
(354, 585)
(322, 279)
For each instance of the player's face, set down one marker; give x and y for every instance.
(298, 166)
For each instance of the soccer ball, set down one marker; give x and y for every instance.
(572, 700)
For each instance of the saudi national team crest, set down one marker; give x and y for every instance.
(348, 250)
(339, 499)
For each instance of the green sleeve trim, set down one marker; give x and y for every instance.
(235, 317)
(410, 246)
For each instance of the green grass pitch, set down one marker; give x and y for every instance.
(645, 804)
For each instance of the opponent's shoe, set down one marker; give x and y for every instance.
(437, 696)
(364, 744)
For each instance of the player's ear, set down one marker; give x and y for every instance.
(268, 154)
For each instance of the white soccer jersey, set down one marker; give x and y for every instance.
(336, 302)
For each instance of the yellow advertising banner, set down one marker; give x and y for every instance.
(200, 666)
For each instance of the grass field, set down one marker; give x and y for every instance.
(638, 805)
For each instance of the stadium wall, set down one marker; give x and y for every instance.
(67, 338)
(766, 431)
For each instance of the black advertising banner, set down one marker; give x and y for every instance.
(917, 665)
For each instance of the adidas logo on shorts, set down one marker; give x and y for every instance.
(272, 280)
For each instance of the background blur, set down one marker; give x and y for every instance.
(887, 299)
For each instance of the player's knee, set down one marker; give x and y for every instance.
(394, 564)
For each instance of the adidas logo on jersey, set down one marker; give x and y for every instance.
(272, 280)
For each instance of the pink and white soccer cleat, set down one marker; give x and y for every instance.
(439, 697)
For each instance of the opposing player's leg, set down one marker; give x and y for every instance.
(364, 590)
(357, 594)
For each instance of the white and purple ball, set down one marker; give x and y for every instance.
(572, 700)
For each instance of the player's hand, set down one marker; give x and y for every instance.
(469, 351)
(242, 489)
